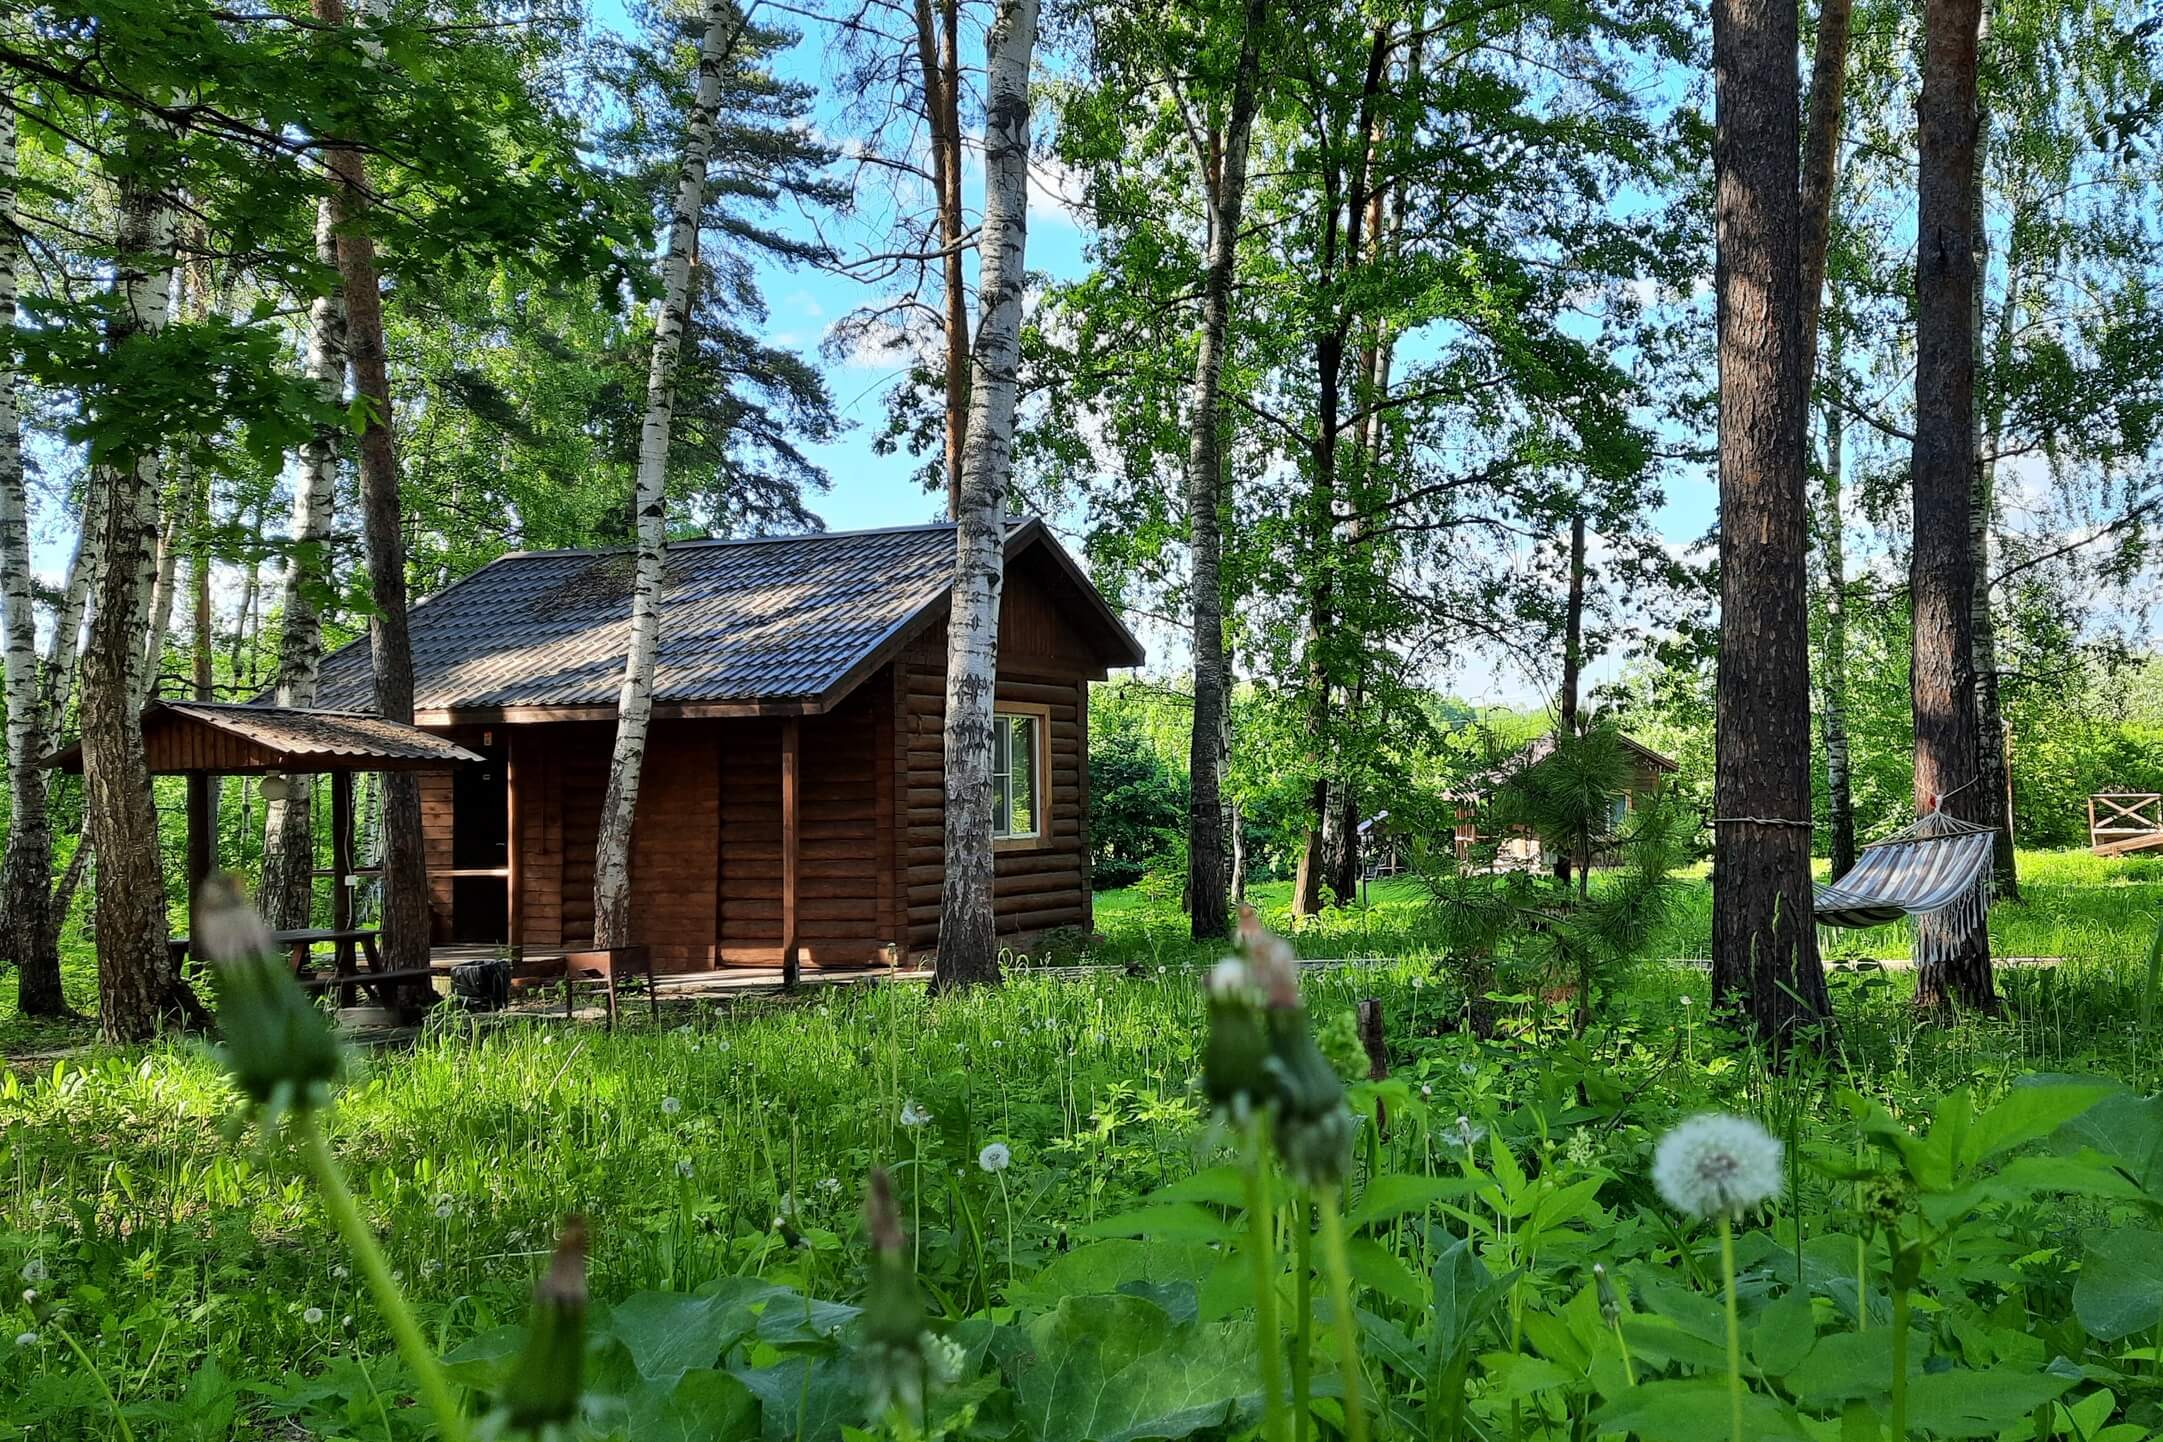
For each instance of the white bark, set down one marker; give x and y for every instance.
(18, 618)
(288, 822)
(634, 707)
(138, 985)
(968, 942)
(155, 580)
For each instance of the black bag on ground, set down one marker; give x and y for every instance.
(481, 985)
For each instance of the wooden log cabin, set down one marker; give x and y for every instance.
(793, 791)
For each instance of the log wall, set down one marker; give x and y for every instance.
(707, 849)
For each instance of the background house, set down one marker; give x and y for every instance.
(1518, 846)
(793, 792)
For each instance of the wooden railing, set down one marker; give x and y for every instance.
(2125, 821)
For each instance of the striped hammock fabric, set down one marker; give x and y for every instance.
(1938, 862)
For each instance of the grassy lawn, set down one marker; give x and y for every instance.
(199, 1276)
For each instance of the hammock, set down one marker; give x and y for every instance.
(1920, 870)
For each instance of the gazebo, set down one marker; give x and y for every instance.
(203, 740)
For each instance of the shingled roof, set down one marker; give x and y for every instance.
(791, 622)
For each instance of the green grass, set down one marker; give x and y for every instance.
(187, 1261)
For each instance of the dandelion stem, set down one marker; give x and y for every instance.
(1339, 1262)
(1629, 1370)
(1734, 1328)
(112, 1403)
(1900, 1361)
(1262, 1256)
(346, 1216)
(1303, 1328)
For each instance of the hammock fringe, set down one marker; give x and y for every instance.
(1936, 864)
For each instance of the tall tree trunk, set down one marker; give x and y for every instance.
(27, 869)
(1764, 940)
(1952, 946)
(1994, 793)
(1832, 545)
(139, 986)
(390, 646)
(968, 941)
(1207, 869)
(1820, 165)
(1821, 160)
(158, 578)
(1573, 657)
(634, 706)
(938, 41)
(287, 894)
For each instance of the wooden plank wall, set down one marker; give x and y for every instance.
(1034, 890)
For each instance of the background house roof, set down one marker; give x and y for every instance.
(183, 736)
(791, 619)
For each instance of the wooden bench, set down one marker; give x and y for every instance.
(601, 967)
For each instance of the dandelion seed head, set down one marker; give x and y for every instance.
(26, 1339)
(995, 1157)
(34, 1270)
(913, 1114)
(313, 1316)
(1717, 1165)
(684, 1168)
(670, 1106)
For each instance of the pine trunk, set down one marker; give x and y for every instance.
(287, 894)
(1953, 946)
(634, 706)
(26, 873)
(139, 985)
(1764, 941)
(1208, 871)
(405, 920)
(938, 54)
(968, 941)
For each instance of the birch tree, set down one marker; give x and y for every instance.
(139, 986)
(634, 706)
(25, 938)
(288, 884)
(968, 941)
(1225, 187)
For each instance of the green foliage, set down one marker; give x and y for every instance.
(1137, 802)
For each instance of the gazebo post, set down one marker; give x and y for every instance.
(791, 799)
(341, 850)
(202, 846)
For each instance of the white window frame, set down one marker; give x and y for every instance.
(1038, 719)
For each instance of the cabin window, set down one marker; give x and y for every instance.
(1618, 812)
(1017, 775)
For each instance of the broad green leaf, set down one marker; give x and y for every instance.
(2120, 1289)
(1106, 1266)
(1114, 1369)
(2029, 1112)
(1392, 1196)
(700, 1406)
(2127, 1131)
(805, 1399)
(1785, 1332)
(1375, 1266)
(1169, 1221)
(1844, 1366)
(1694, 1410)
(1978, 1404)
(1224, 1186)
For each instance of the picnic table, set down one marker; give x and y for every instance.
(349, 946)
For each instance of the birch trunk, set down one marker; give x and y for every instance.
(1833, 719)
(26, 873)
(139, 986)
(1952, 946)
(390, 649)
(287, 894)
(1207, 869)
(158, 581)
(1994, 783)
(634, 706)
(968, 941)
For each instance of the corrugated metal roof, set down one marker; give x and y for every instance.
(303, 740)
(765, 620)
